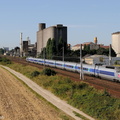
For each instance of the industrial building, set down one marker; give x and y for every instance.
(26, 48)
(56, 32)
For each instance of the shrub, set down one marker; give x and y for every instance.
(48, 72)
(35, 73)
(4, 60)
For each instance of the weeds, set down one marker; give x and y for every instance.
(4, 61)
(35, 73)
(48, 72)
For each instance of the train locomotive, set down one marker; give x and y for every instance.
(106, 72)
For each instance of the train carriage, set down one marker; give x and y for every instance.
(106, 72)
(87, 69)
(70, 66)
(59, 64)
(49, 62)
(40, 61)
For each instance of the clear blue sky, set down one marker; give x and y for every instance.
(85, 19)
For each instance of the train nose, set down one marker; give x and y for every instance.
(118, 75)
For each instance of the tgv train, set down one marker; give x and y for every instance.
(105, 72)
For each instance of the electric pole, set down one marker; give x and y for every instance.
(81, 65)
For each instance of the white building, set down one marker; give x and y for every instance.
(97, 59)
(102, 59)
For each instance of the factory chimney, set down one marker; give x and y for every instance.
(21, 45)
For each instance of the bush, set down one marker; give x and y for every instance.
(48, 72)
(35, 73)
(4, 60)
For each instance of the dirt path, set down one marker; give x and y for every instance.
(48, 96)
(18, 103)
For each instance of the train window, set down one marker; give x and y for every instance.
(106, 73)
(77, 68)
(111, 67)
(58, 64)
(51, 63)
(70, 66)
(86, 69)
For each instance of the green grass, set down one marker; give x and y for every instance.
(98, 104)
(78, 115)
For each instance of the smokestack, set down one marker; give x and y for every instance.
(20, 38)
(21, 50)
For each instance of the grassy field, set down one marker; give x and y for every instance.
(98, 104)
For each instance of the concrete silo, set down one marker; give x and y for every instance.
(116, 43)
(43, 34)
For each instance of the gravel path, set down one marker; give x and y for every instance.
(50, 97)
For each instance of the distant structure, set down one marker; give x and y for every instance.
(26, 48)
(116, 43)
(97, 59)
(6, 50)
(16, 52)
(56, 32)
(93, 45)
(101, 59)
(95, 40)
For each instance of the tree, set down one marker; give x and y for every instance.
(48, 47)
(101, 51)
(87, 47)
(1, 51)
(53, 46)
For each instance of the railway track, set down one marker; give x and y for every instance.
(112, 88)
